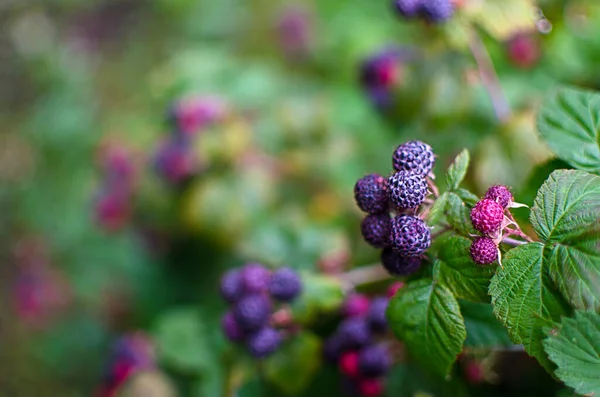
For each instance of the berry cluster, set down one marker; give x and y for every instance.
(380, 73)
(295, 33)
(403, 237)
(354, 348)
(433, 11)
(488, 218)
(130, 354)
(175, 159)
(251, 291)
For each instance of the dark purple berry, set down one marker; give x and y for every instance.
(499, 194)
(370, 193)
(408, 8)
(484, 251)
(407, 189)
(414, 156)
(487, 216)
(264, 342)
(231, 328)
(252, 312)
(376, 315)
(354, 332)
(285, 285)
(374, 361)
(231, 285)
(382, 70)
(333, 348)
(398, 265)
(437, 10)
(375, 230)
(410, 235)
(255, 278)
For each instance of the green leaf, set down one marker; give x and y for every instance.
(457, 271)
(457, 170)
(321, 294)
(569, 120)
(525, 300)
(483, 329)
(566, 215)
(575, 349)
(457, 213)
(179, 337)
(293, 366)
(426, 316)
(438, 209)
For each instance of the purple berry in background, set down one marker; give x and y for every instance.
(256, 278)
(524, 50)
(375, 230)
(135, 349)
(414, 156)
(383, 69)
(295, 32)
(231, 328)
(174, 160)
(484, 251)
(264, 342)
(112, 209)
(374, 361)
(191, 114)
(487, 216)
(252, 312)
(371, 193)
(437, 10)
(356, 305)
(499, 194)
(376, 315)
(410, 235)
(407, 189)
(398, 265)
(285, 285)
(333, 349)
(408, 8)
(354, 332)
(231, 285)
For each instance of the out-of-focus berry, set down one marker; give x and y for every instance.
(398, 265)
(524, 50)
(264, 342)
(376, 314)
(285, 285)
(252, 312)
(356, 305)
(255, 278)
(232, 286)
(349, 363)
(231, 328)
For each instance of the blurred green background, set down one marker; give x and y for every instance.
(280, 170)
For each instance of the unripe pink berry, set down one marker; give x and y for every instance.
(487, 216)
(484, 251)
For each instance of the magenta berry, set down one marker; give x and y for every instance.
(264, 342)
(255, 278)
(398, 265)
(414, 156)
(252, 312)
(374, 361)
(285, 285)
(410, 235)
(487, 216)
(499, 194)
(231, 328)
(376, 230)
(370, 387)
(174, 161)
(371, 193)
(376, 314)
(484, 251)
(523, 50)
(349, 364)
(231, 286)
(407, 189)
(356, 305)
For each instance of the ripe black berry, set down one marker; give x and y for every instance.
(374, 361)
(231, 328)
(255, 278)
(414, 156)
(354, 332)
(376, 315)
(252, 312)
(398, 265)
(370, 193)
(407, 189)
(231, 285)
(410, 235)
(285, 285)
(376, 230)
(264, 342)
(500, 194)
(484, 251)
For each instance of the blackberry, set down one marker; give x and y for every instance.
(354, 332)
(484, 251)
(370, 193)
(356, 305)
(407, 189)
(500, 194)
(437, 10)
(255, 278)
(264, 342)
(410, 235)
(285, 285)
(333, 348)
(376, 315)
(374, 361)
(408, 8)
(398, 265)
(231, 285)
(252, 312)
(349, 364)
(231, 328)
(370, 387)
(376, 230)
(487, 216)
(414, 156)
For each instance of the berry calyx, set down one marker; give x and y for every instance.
(349, 364)
(407, 189)
(484, 251)
(264, 342)
(374, 361)
(487, 216)
(410, 235)
(376, 229)
(285, 285)
(398, 265)
(371, 193)
(414, 156)
(500, 194)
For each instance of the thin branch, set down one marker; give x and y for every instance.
(513, 242)
(489, 78)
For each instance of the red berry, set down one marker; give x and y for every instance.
(356, 305)
(484, 251)
(395, 287)
(370, 387)
(523, 50)
(487, 216)
(349, 364)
